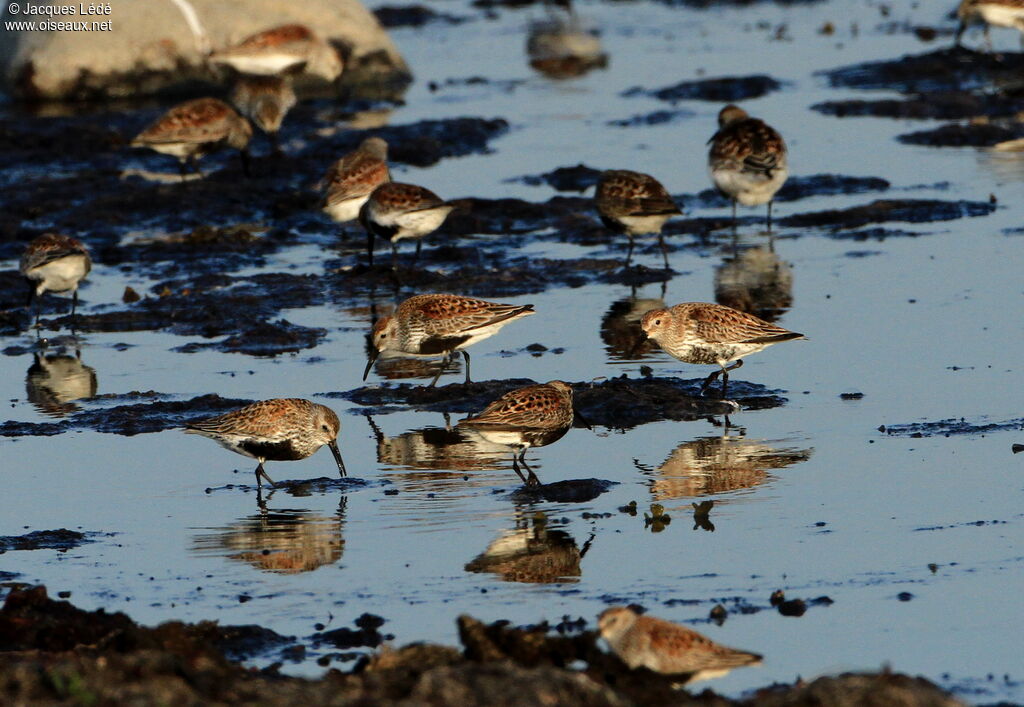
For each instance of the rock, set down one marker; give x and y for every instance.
(151, 48)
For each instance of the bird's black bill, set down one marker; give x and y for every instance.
(337, 457)
(369, 365)
(579, 416)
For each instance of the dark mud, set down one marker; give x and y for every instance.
(391, 16)
(975, 134)
(887, 210)
(932, 106)
(658, 117)
(62, 540)
(698, 4)
(301, 487)
(949, 69)
(618, 403)
(578, 178)
(190, 253)
(569, 491)
(950, 427)
(948, 84)
(130, 419)
(52, 652)
(366, 634)
(729, 89)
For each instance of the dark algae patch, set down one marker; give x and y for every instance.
(62, 539)
(129, 419)
(888, 210)
(949, 69)
(952, 426)
(619, 403)
(52, 652)
(729, 89)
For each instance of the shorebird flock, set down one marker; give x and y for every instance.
(747, 162)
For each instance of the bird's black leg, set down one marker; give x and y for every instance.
(725, 376)
(465, 355)
(531, 480)
(664, 251)
(769, 221)
(261, 473)
(419, 246)
(515, 468)
(394, 255)
(183, 169)
(369, 247)
(629, 253)
(709, 380)
(439, 372)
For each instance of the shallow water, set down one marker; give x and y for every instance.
(809, 497)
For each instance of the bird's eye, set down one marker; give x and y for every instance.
(325, 428)
(657, 322)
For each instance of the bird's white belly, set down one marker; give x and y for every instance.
(505, 438)
(416, 224)
(346, 209)
(1002, 16)
(639, 225)
(262, 65)
(181, 150)
(749, 189)
(60, 275)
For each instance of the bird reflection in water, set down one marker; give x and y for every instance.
(624, 339)
(755, 281)
(532, 552)
(55, 381)
(563, 45)
(284, 541)
(437, 449)
(534, 416)
(722, 464)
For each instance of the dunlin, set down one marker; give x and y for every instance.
(195, 128)
(636, 204)
(665, 647)
(55, 263)
(350, 181)
(438, 325)
(534, 416)
(747, 160)
(396, 211)
(282, 429)
(265, 100)
(1001, 13)
(705, 333)
(284, 49)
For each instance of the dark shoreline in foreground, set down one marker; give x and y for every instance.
(51, 652)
